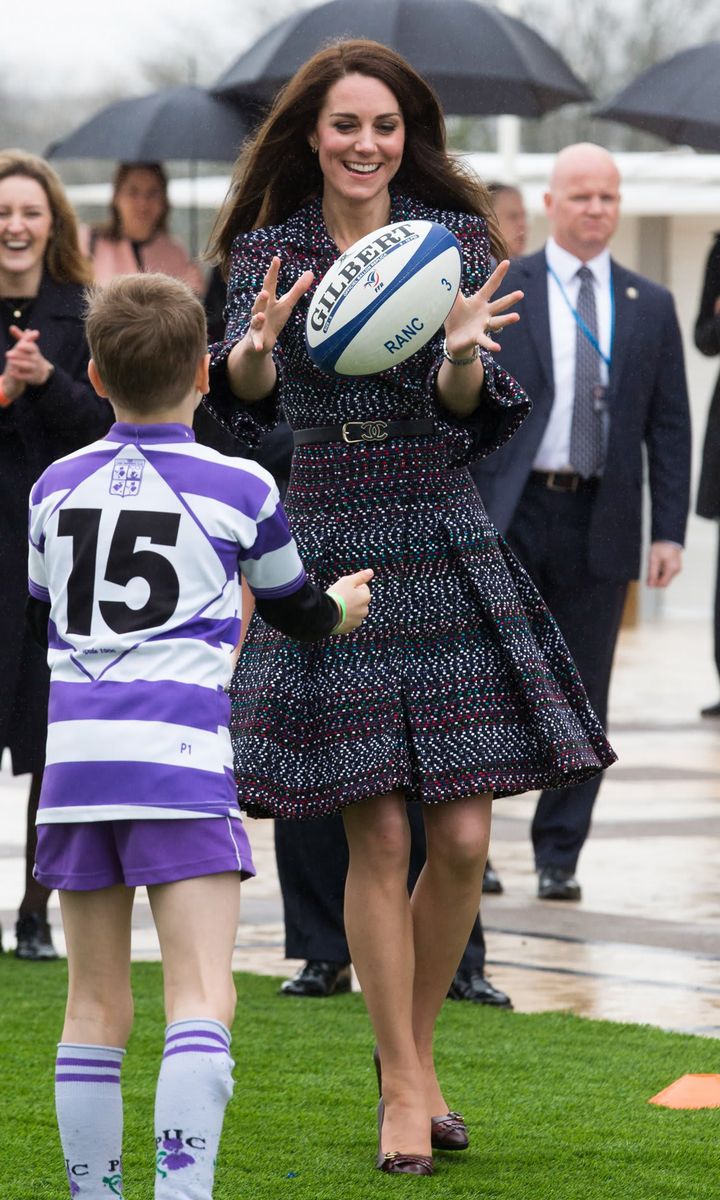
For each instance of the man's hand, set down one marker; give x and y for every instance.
(664, 563)
(356, 594)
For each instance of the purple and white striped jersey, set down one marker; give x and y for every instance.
(136, 542)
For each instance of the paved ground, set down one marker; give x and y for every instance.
(643, 945)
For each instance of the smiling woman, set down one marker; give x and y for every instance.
(458, 686)
(47, 408)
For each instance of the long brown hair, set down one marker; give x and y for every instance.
(64, 259)
(277, 172)
(112, 228)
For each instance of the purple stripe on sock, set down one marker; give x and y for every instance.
(140, 784)
(67, 1078)
(183, 703)
(88, 1062)
(194, 1046)
(208, 1033)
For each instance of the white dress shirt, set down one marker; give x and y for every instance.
(554, 450)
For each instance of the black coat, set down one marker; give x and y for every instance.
(43, 424)
(707, 340)
(648, 408)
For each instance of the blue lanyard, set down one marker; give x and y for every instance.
(607, 358)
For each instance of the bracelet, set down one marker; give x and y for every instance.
(343, 611)
(5, 400)
(460, 362)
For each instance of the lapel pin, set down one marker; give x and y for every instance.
(632, 293)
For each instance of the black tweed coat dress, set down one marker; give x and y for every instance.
(459, 681)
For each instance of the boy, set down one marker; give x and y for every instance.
(136, 543)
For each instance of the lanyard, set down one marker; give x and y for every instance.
(607, 358)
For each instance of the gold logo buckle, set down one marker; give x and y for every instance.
(370, 431)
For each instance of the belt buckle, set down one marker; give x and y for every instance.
(553, 475)
(370, 431)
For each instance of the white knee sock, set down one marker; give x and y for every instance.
(194, 1086)
(88, 1102)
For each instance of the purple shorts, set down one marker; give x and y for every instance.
(82, 856)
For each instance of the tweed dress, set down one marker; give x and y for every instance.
(459, 681)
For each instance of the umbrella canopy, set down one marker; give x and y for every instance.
(175, 123)
(678, 99)
(478, 59)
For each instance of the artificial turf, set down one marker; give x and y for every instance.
(556, 1105)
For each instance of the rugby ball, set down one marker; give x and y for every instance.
(383, 298)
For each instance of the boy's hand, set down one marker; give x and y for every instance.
(354, 590)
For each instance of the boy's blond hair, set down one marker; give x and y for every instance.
(147, 335)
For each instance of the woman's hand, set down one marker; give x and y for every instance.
(251, 370)
(474, 319)
(25, 364)
(270, 312)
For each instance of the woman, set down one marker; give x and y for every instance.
(135, 237)
(707, 340)
(47, 408)
(460, 685)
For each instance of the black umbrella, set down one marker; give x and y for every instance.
(478, 59)
(175, 123)
(183, 122)
(678, 99)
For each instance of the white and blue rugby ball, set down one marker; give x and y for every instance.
(383, 298)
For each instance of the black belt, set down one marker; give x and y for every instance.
(564, 481)
(352, 432)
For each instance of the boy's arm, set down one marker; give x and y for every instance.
(284, 596)
(305, 615)
(37, 615)
(309, 613)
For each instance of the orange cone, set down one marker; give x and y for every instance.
(690, 1091)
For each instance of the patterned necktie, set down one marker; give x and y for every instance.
(586, 431)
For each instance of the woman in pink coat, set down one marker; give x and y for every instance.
(135, 237)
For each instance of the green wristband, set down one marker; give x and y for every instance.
(343, 611)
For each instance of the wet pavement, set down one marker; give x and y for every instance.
(643, 944)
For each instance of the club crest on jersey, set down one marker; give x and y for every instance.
(127, 476)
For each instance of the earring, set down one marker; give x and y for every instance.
(313, 149)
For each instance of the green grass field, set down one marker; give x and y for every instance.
(557, 1106)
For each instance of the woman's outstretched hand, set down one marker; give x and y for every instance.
(270, 312)
(473, 320)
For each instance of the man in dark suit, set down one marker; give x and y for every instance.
(598, 350)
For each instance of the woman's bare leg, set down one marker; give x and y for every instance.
(444, 904)
(379, 928)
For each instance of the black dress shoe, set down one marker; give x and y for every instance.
(555, 883)
(34, 940)
(318, 978)
(473, 986)
(712, 710)
(492, 883)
